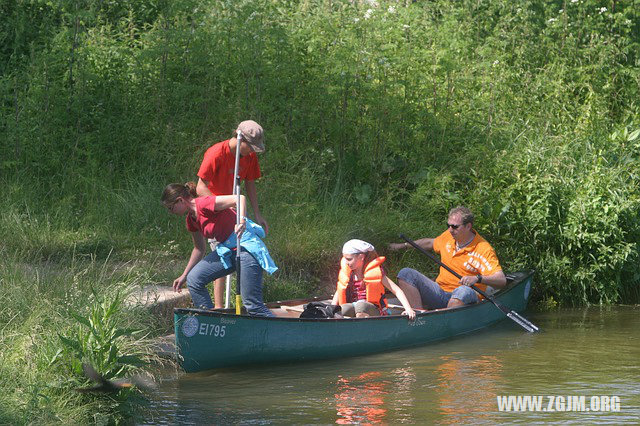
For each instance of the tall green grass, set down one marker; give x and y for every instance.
(379, 117)
(56, 315)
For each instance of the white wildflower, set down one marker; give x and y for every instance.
(372, 3)
(603, 10)
(405, 26)
(552, 20)
(496, 62)
(574, 1)
(368, 13)
(391, 9)
(356, 20)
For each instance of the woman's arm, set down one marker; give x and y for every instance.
(227, 201)
(224, 202)
(199, 249)
(400, 295)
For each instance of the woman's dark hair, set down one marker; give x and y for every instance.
(175, 190)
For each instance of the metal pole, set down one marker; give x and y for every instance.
(236, 174)
(227, 281)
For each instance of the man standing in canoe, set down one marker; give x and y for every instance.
(216, 177)
(462, 249)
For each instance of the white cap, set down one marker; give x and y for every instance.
(356, 247)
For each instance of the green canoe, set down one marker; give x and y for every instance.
(214, 339)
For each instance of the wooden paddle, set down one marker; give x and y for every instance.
(513, 315)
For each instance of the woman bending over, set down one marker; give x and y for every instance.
(214, 217)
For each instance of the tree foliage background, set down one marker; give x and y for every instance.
(379, 115)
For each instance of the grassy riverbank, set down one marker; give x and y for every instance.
(379, 117)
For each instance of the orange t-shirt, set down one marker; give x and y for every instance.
(476, 258)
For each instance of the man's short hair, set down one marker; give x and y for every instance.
(465, 214)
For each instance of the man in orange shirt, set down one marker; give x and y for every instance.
(462, 249)
(216, 177)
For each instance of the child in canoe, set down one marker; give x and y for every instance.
(213, 217)
(362, 282)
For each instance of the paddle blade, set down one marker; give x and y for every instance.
(523, 322)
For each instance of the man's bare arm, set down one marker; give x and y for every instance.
(202, 189)
(425, 243)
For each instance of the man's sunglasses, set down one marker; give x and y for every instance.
(451, 225)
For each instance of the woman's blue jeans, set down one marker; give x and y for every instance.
(211, 267)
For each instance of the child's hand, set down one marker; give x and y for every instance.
(410, 313)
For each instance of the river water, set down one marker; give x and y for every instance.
(583, 368)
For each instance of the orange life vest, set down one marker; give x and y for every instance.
(372, 279)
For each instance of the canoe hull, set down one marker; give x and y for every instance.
(207, 339)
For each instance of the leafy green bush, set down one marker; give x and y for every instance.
(97, 339)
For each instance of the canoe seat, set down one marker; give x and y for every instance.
(285, 313)
(296, 308)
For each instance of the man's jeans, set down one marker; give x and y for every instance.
(434, 297)
(210, 268)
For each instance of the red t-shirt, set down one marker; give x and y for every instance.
(219, 164)
(211, 223)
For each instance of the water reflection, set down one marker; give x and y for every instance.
(464, 386)
(581, 352)
(376, 397)
(360, 399)
(465, 390)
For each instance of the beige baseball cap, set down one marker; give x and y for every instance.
(252, 133)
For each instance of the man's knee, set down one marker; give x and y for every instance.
(465, 295)
(407, 275)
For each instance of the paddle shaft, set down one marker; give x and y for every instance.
(236, 175)
(457, 275)
(516, 317)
